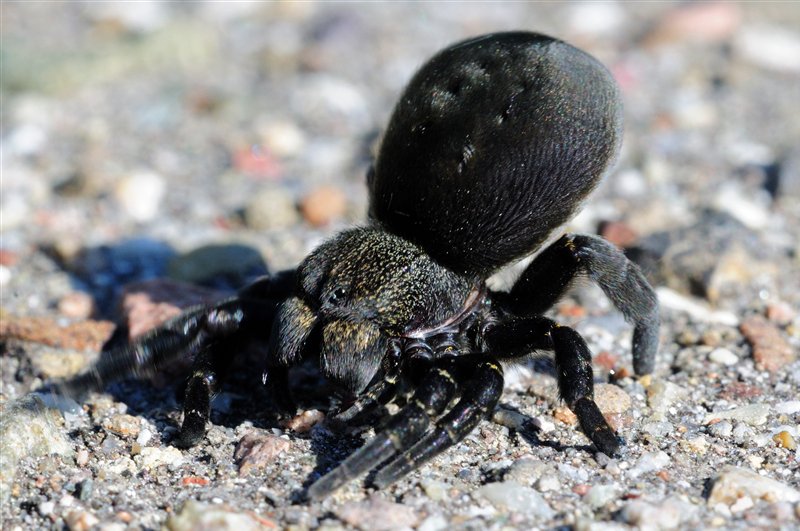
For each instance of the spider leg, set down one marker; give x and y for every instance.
(479, 396)
(378, 393)
(548, 277)
(208, 335)
(434, 393)
(573, 360)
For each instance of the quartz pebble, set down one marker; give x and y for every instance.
(257, 451)
(151, 457)
(668, 514)
(752, 414)
(511, 496)
(723, 356)
(733, 483)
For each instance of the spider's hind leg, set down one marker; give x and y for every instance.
(518, 337)
(549, 276)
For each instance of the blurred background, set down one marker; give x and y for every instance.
(134, 133)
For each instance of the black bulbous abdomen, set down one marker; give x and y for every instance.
(495, 142)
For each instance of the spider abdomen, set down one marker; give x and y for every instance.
(495, 142)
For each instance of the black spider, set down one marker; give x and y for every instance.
(494, 144)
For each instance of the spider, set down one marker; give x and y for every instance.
(494, 144)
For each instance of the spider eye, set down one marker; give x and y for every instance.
(337, 296)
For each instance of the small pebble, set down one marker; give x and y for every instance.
(547, 483)
(377, 514)
(780, 313)
(723, 356)
(195, 515)
(80, 520)
(752, 414)
(152, 457)
(785, 440)
(123, 425)
(304, 421)
(650, 462)
(323, 204)
(721, 429)
(140, 195)
(511, 496)
(76, 305)
(770, 350)
(601, 495)
(271, 208)
(733, 483)
(257, 451)
(668, 514)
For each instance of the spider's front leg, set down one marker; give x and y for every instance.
(550, 274)
(519, 337)
(208, 335)
(479, 381)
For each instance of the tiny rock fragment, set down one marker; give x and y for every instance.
(771, 351)
(194, 480)
(377, 514)
(733, 483)
(257, 451)
(304, 421)
(151, 457)
(123, 425)
(565, 415)
(785, 439)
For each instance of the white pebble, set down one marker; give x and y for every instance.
(140, 195)
(723, 356)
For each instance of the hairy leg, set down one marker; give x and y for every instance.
(550, 274)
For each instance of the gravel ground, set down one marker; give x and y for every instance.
(202, 144)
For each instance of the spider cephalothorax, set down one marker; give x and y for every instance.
(494, 144)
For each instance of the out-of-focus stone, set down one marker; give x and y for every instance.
(785, 440)
(257, 451)
(733, 483)
(601, 495)
(620, 234)
(780, 313)
(123, 425)
(271, 208)
(304, 421)
(771, 351)
(76, 305)
(668, 514)
(224, 266)
(700, 22)
(723, 356)
(28, 429)
(323, 205)
(140, 195)
(80, 520)
(752, 414)
(511, 496)
(148, 304)
(713, 258)
(198, 516)
(773, 47)
(377, 514)
(151, 457)
(84, 335)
